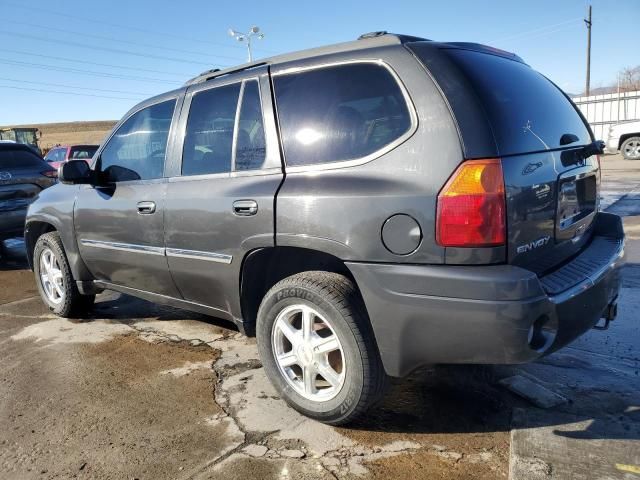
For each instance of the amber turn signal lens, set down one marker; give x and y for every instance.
(471, 206)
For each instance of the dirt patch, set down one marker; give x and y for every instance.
(16, 284)
(456, 413)
(107, 410)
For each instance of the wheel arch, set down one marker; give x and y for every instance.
(34, 229)
(37, 226)
(262, 268)
(625, 137)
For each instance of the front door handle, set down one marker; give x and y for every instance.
(245, 208)
(146, 208)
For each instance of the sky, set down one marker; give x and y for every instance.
(74, 60)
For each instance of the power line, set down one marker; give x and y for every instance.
(130, 42)
(87, 62)
(67, 93)
(535, 30)
(91, 89)
(85, 72)
(127, 27)
(105, 49)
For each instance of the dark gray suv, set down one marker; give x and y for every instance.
(364, 209)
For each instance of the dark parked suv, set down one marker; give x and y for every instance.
(364, 209)
(23, 175)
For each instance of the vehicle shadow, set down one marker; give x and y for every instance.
(468, 399)
(129, 310)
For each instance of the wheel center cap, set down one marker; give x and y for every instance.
(304, 354)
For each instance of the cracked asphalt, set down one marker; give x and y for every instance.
(144, 391)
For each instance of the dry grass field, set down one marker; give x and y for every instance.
(73, 132)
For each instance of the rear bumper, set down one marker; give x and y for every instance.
(498, 314)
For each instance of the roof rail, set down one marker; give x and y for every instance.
(368, 40)
(401, 37)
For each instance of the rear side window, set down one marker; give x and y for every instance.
(15, 159)
(208, 142)
(339, 113)
(526, 111)
(250, 143)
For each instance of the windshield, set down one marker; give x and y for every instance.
(26, 136)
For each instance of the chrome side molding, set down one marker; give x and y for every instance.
(198, 255)
(168, 252)
(125, 247)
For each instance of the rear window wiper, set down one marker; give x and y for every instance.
(579, 155)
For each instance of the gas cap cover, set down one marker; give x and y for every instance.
(401, 234)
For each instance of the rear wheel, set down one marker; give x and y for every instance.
(317, 347)
(55, 282)
(630, 148)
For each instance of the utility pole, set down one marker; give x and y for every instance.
(588, 22)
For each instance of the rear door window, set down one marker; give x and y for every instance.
(527, 112)
(339, 113)
(208, 141)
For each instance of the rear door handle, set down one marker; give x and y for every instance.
(245, 208)
(146, 208)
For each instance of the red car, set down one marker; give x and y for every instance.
(63, 153)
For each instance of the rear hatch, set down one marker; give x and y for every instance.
(551, 188)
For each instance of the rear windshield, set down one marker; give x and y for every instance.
(82, 153)
(14, 159)
(526, 111)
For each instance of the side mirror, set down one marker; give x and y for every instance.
(75, 172)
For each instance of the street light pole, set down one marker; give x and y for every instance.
(246, 37)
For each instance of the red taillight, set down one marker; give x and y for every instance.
(50, 173)
(471, 206)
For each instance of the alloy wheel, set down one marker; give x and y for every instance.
(51, 276)
(308, 353)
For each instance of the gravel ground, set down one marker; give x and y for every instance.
(143, 391)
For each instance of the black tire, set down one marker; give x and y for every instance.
(627, 151)
(73, 303)
(337, 300)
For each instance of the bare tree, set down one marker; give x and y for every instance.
(630, 79)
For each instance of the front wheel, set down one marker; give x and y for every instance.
(630, 148)
(317, 347)
(54, 279)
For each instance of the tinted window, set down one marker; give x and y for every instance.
(137, 150)
(250, 144)
(82, 153)
(209, 137)
(14, 159)
(527, 112)
(339, 113)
